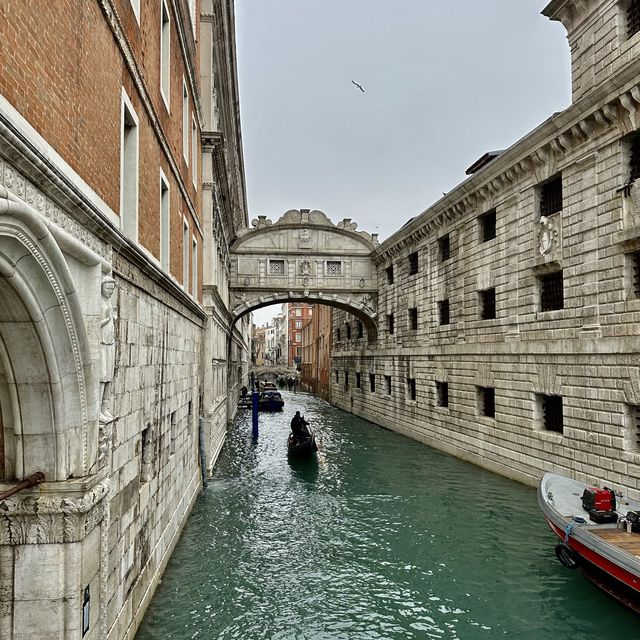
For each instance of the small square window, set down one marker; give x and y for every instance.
(276, 267)
(633, 17)
(390, 325)
(488, 304)
(334, 268)
(358, 380)
(389, 272)
(443, 312)
(387, 384)
(411, 388)
(372, 382)
(442, 393)
(413, 263)
(551, 291)
(487, 222)
(444, 247)
(413, 319)
(551, 411)
(487, 402)
(551, 196)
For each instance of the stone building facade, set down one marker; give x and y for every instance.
(121, 186)
(508, 311)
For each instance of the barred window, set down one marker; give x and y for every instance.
(442, 393)
(633, 18)
(360, 329)
(413, 263)
(387, 384)
(334, 268)
(372, 382)
(389, 272)
(487, 225)
(634, 259)
(551, 196)
(411, 388)
(634, 428)
(551, 409)
(276, 267)
(390, 322)
(487, 401)
(413, 319)
(443, 311)
(488, 304)
(634, 155)
(444, 247)
(551, 291)
(358, 381)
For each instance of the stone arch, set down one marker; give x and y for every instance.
(47, 387)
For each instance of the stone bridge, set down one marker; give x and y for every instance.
(259, 372)
(305, 257)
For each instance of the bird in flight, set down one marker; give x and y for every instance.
(357, 85)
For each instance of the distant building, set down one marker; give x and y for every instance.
(298, 316)
(258, 345)
(316, 352)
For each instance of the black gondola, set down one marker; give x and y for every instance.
(270, 401)
(302, 448)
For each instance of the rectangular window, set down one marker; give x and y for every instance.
(194, 152)
(487, 304)
(552, 414)
(358, 380)
(390, 323)
(389, 272)
(346, 380)
(633, 437)
(298, 324)
(443, 312)
(360, 326)
(298, 337)
(444, 248)
(442, 393)
(337, 334)
(372, 382)
(411, 388)
(487, 222)
(348, 327)
(194, 267)
(551, 196)
(276, 267)
(633, 18)
(413, 263)
(164, 223)
(185, 254)
(146, 456)
(334, 268)
(165, 53)
(298, 351)
(174, 429)
(634, 154)
(298, 311)
(185, 122)
(486, 401)
(336, 376)
(413, 319)
(129, 170)
(634, 261)
(551, 291)
(387, 384)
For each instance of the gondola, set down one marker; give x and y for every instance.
(270, 401)
(302, 449)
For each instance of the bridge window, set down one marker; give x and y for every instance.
(487, 226)
(442, 393)
(443, 312)
(276, 267)
(550, 409)
(633, 17)
(358, 380)
(551, 291)
(486, 401)
(413, 263)
(413, 319)
(444, 247)
(411, 388)
(389, 272)
(551, 196)
(360, 329)
(334, 268)
(390, 323)
(487, 300)
(372, 382)
(387, 384)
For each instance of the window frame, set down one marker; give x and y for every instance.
(487, 226)
(165, 54)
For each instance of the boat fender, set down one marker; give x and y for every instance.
(566, 555)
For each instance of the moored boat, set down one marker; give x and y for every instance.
(304, 448)
(270, 401)
(604, 545)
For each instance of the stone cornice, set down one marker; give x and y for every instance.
(546, 146)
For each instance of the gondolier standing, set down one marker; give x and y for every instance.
(299, 427)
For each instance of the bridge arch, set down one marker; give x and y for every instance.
(305, 257)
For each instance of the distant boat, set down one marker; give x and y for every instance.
(302, 448)
(600, 536)
(270, 401)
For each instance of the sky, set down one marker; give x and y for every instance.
(443, 83)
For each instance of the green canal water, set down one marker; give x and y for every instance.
(381, 538)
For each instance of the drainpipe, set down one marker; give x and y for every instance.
(29, 481)
(202, 452)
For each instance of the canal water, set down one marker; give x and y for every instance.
(381, 538)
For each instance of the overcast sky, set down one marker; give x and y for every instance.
(444, 82)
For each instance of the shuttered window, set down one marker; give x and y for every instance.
(551, 291)
(551, 196)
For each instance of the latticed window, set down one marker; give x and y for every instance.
(634, 439)
(444, 247)
(413, 319)
(488, 226)
(358, 381)
(634, 155)
(552, 413)
(276, 267)
(634, 259)
(488, 304)
(413, 263)
(387, 384)
(411, 388)
(372, 382)
(487, 401)
(390, 323)
(633, 18)
(334, 268)
(442, 393)
(389, 272)
(551, 291)
(443, 311)
(551, 196)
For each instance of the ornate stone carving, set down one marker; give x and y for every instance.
(305, 268)
(107, 349)
(304, 240)
(547, 236)
(247, 281)
(261, 222)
